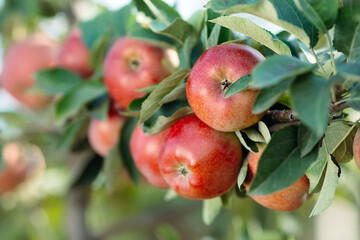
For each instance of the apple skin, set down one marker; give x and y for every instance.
(132, 64)
(199, 162)
(74, 55)
(288, 199)
(145, 152)
(356, 148)
(22, 61)
(205, 90)
(104, 134)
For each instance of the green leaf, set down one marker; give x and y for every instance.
(213, 39)
(350, 70)
(71, 132)
(347, 30)
(56, 80)
(242, 174)
(166, 116)
(89, 172)
(327, 10)
(264, 130)
(277, 68)
(211, 208)
(239, 85)
(310, 13)
(270, 95)
(246, 142)
(152, 103)
(281, 164)
(283, 13)
(149, 35)
(111, 168)
(124, 147)
(327, 192)
(307, 139)
(247, 27)
(310, 96)
(178, 30)
(335, 134)
(99, 107)
(157, 9)
(316, 169)
(99, 50)
(73, 101)
(253, 134)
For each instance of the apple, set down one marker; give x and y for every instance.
(132, 64)
(20, 163)
(22, 61)
(145, 152)
(356, 148)
(197, 161)
(215, 70)
(74, 55)
(287, 199)
(104, 134)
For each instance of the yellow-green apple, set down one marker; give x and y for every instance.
(215, 70)
(104, 134)
(132, 64)
(356, 148)
(288, 199)
(197, 161)
(145, 152)
(74, 55)
(22, 61)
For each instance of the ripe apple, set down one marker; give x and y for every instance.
(20, 163)
(104, 134)
(145, 152)
(132, 64)
(22, 61)
(288, 199)
(356, 148)
(74, 55)
(215, 70)
(197, 161)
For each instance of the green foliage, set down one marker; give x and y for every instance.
(239, 85)
(211, 208)
(90, 170)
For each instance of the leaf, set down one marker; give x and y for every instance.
(307, 139)
(74, 100)
(99, 50)
(152, 103)
(166, 116)
(253, 134)
(170, 195)
(310, 13)
(246, 142)
(283, 13)
(89, 172)
(344, 152)
(56, 80)
(99, 107)
(280, 164)
(267, 97)
(327, 11)
(178, 92)
(178, 30)
(350, 70)
(124, 149)
(347, 30)
(213, 39)
(111, 168)
(264, 130)
(242, 174)
(247, 27)
(157, 9)
(211, 208)
(327, 192)
(316, 169)
(310, 96)
(239, 85)
(70, 133)
(335, 134)
(277, 68)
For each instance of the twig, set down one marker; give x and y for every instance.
(282, 116)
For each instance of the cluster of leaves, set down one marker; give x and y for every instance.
(305, 71)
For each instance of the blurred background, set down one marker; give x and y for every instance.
(44, 207)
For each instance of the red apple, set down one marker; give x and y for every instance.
(104, 134)
(20, 163)
(132, 64)
(22, 61)
(288, 199)
(74, 55)
(356, 148)
(199, 162)
(145, 152)
(212, 74)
